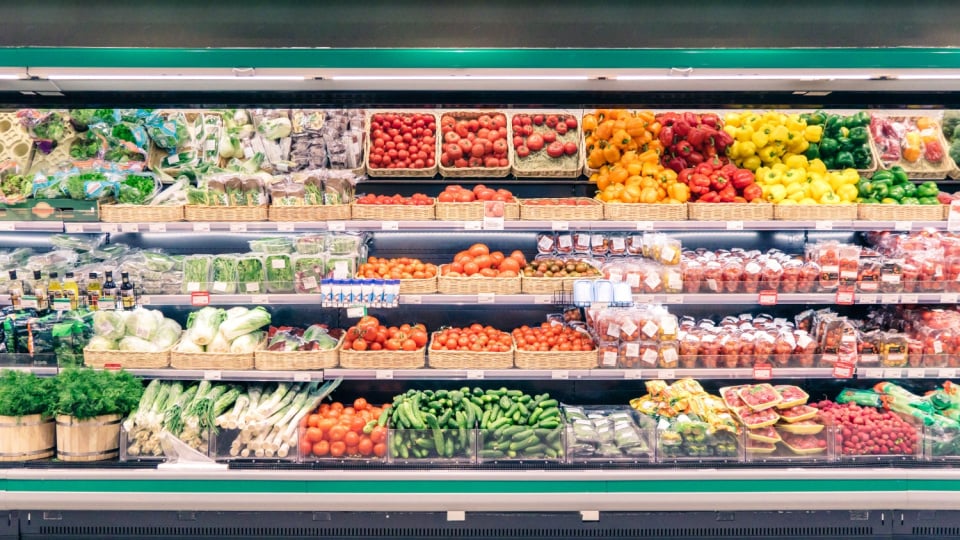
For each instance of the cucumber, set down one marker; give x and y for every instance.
(514, 393)
(524, 443)
(546, 404)
(521, 435)
(505, 403)
(491, 454)
(384, 416)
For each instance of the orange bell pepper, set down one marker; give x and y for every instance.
(649, 195)
(618, 175)
(589, 123)
(679, 192)
(605, 129)
(611, 154)
(650, 156)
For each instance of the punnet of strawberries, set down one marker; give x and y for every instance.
(863, 430)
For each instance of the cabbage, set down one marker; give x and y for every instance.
(143, 323)
(133, 343)
(168, 334)
(250, 321)
(100, 343)
(247, 343)
(204, 324)
(219, 344)
(187, 346)
(109, 324)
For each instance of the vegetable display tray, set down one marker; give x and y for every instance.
(350, 359)
(474, 211)
(900, 212)
(478, 285)
(126, 359)
(555, 359)
(427, 172)
(225, 213)
(212, 361)
(297, 360)
(392, 212)
(469, 359)
(586, 210)
(135, 213)
(521, 169)
(475, 172)
(418, 286)
(731, 211)
(329, 212)
(644, 212)
(815, 212)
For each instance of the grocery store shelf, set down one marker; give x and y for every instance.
(216, 375)
(577, 374)
(31, 226)
(878, 373)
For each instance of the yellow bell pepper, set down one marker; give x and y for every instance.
(760, 139)
(732, 119)
(744, 134)
(780, 134)
(772, 177)
(795, 124)
(796, 197)
(813, 133)
(798, 145)
(796, 162)
(794, 176)
(807, 201)
(731, 130)
(850, 176)
(777, 193)
(779, 166)
(796, 188)
(847, 193)
(817, 165)
(751, 163)
(830, 198)
(818, 188)
(769, 154)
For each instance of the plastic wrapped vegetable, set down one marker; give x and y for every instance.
(143, 323)
(250, 274)
(224, 274)
(109, 324)
(308, 272)
(279, 269)
(196, 273)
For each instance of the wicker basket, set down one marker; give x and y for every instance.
(731, 211)
(477, 285)
(212, 361)
(575, 136)
(549, 285)
(815, 212)
(924, 171)
(224, 213)
(644, 212)
(473, 211)
(15, 143)
(126, 359)
(476, 172)
(329, 212)
(350, 359)
(901, 212)
(428, 172)
(555, 360)
(418, 286)
(392, 212)
(561, 212)
(470, 359)
(297, 360)
(134, 213)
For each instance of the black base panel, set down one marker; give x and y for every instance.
(108, 525)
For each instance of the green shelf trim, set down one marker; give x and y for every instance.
(800, 58)
(246, 485)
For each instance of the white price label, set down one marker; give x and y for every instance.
(285, 227)
(384, 374)
(109, 227)
(157, 227)
(475, 374)
(542, 299)
(201, 227)
(473, 225)
(868, 299)
(7, 226)
(642, 298)
(644, 225)
(909, 298)
(666, 374)
(493, 223)
(892, 373)
(674, 298)
(356, 312)
(146, 300)
(873, 373)
(947, 373)
(948, 298)
(903, 225)
(560, 374)
(238, 227)
(411, 299)
(336, 226)
(734, 225)
(824, 225)
(261, 299)
(130, 228)
(560, 226)
(389, 226)
(74, 228)
(916, 373)
(889, 298)
(486, 298)
(633, 374)
(302, 377)
(212, 375)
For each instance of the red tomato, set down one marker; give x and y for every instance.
(555, 149)
(535, 142)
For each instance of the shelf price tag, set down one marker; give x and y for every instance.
(302, 377)
(909, 298)
(869, 298)
(734, 225)
(632, 374)
(873, 373)
(947, 373)
(130, 228)
(953, 218)
(560, 226)
(916, 373)
(199, 299)
(472, 225)
(112, 367)
(644, 225)
(845, 296)
(389, 226)
(336, 226)
(238, 227)
(493, 212)
(906, 226)
(666, 374)
(74, 228)
(674, 298)
(948, 298)
(285, 226)
(384, 374)
(260, 299)
(109, 227)
(486, 298)
(201, 227)
(356, 312)
(843, 370)
(414, 299)
(889, 298)
(824, 225)
(157, 227)
(7, 226)
(763, 372)
(560, 374)
(767, 298)
(892, 373)
(475, 374)
(212, 375)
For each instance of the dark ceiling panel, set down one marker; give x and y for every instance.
(489, 23)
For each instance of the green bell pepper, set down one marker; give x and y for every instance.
(880, 189)
(929, 200)
(851, 122)
(882, 176)
(909, 190)
(909, 200)
(829, 147)
(868, 200)
(888, 200)
(846, 144)
(899, 175)
(928, 189)
(859, 135)
(845, 161)
(816, 118)
(864, 187)
(830, 162)
(862, 157)
(813, 152)
(833, 123)
(863, 118)
(896, 193)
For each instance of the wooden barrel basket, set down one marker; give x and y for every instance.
(26, 438)
(93, 439)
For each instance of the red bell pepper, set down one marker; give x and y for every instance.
(699, 183)
(684, 176)
(729, 169)
(682, 128)
(695, 158)
(683, 148)
(751, 192)
(718, 181)
(710, 196)
(728, 194)
(697, 137)
(666, 136)
(723, 140)
(668, 119)
(710, 119)
(715, 162)
(705, 168)
(691, 118)
(677, 164)
(742, 178)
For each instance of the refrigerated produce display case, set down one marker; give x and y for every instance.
(489, 305)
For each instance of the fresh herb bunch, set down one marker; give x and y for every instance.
(136, 189)
(88, 393)
(23, 394)
(85, 146)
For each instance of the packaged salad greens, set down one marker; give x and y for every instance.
(344, 244)
(279, 269)
(311, 244)
(308, 272)
(224, 276)
(250, 275)
(340, 266)
(272, 245)
(196, 273)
